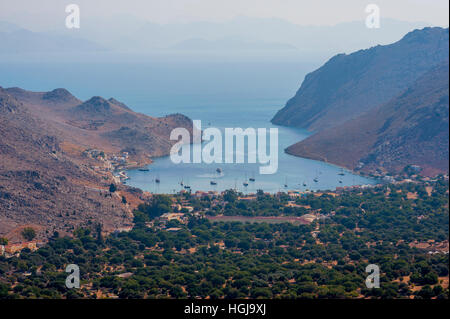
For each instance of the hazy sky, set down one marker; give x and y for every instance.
(43, 14)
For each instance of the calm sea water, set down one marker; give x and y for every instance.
(221, 94)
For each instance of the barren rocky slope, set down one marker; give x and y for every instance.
(46, 179)
(349, 85)
(411, 129)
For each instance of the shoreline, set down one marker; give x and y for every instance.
(375, 180)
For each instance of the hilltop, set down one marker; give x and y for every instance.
(49, 178)
(349, 85)
(378, 110)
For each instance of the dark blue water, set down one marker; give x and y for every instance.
(222, 94)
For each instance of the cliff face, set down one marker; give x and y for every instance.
(349, 85)
(46, 180)
(410, 129)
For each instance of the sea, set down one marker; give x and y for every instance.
(221, 93)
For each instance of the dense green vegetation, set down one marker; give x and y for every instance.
(28, 233)
(326, 259)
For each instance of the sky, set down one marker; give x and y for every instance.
(46, 14)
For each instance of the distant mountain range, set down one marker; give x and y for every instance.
(125, 34)
(14, 39)
(378, 109)
(343, 37)
(46, 178)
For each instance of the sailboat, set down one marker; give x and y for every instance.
(186, 186)
(252, 179)
(245, 181)
(285, 183)
(342, 172)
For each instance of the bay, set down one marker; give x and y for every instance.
(219, 93)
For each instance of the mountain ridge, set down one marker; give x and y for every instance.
(348, 85)
(49, 178)
(410, 129)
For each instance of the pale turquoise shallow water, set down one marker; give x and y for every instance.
(229, 94)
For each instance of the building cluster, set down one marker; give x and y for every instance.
(115, 163)
(112, 162)
(11, 250)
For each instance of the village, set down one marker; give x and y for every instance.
(183, 205)
(182, 208)
(310, 231)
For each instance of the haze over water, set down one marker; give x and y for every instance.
(220, 94)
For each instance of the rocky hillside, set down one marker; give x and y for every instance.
(46, 179)
(410, 129)
(100, 123)
(349, 85)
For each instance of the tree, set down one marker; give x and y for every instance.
(98, 230)
(3, 241)
(28, 233)
(3, 290)
(261, 293)
(426, 292)
(230, 196)
(160, 205)
(112, 188)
